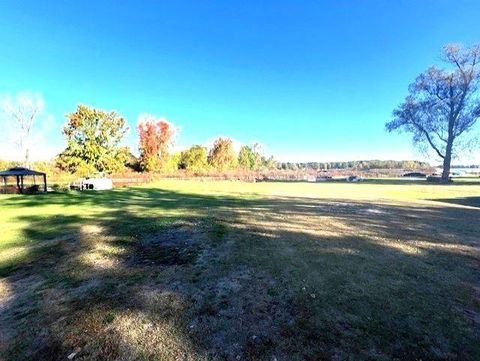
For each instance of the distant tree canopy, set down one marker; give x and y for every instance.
(93, 138)
(249, 158)
(194, 159)
(222, 156)
(130, 161)
(357, 165)
(156, 137)
(443, 104)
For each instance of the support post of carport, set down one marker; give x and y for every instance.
(45, 182)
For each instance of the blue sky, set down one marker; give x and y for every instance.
(311, 80)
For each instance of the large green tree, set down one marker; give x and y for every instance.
(93, 138)
(251, 158)
(246, 158)
(194, 159)
(443, 104)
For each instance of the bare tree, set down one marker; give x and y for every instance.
(443, 104)
(23, 109)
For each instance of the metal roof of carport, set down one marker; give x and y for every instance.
(19, 171)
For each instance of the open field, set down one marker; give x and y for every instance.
(187, 270)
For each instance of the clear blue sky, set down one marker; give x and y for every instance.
(312, 80)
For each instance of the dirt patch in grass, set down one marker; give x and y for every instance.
(165, 255)
(178, 245)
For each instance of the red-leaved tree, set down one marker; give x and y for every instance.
(156, 138)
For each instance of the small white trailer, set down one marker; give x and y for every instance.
(96, 184)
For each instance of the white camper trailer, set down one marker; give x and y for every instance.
(97, 184)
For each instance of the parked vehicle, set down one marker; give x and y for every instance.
(324, 178)
(354, 179)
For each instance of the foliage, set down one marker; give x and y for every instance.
(222, 155)
(357, 165)
(92, 142)
(247, 159)
(252, 158)
(194, 159)
(128, 159)
(173, 163)
(156, 137)
(270, 162)
(47, 167)
(442, 104)
(6, 164)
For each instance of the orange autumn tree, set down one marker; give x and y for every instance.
(222, 156)
(155, 140)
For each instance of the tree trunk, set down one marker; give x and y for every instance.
(446, 163)
(27, 158)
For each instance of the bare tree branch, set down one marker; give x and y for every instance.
(23, 109)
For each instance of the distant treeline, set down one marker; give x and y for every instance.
(464, 166)
(94, 136)
(359, 165)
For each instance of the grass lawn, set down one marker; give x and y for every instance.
(188, 270)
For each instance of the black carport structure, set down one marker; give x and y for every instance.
(19, 173)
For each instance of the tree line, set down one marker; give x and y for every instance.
(93, 138)
(93, 145)
(357, 165)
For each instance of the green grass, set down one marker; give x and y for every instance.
(383, 269)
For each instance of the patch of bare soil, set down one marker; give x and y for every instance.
(234, 316)
(177, 245)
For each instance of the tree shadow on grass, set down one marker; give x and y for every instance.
(156, 273)
(463, 201)
(422, 181)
